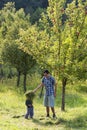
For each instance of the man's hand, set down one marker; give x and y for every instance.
(55, 89)
(37, 87)
(54, 94)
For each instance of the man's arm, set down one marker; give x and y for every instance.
(39, 86)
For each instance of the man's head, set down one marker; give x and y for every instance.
(46, 73)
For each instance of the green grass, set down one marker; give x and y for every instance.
(12, 109)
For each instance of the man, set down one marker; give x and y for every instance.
(50, 86)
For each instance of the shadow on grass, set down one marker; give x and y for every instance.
(18, 116)
(78, 123)
(40, 121)
(43, 121)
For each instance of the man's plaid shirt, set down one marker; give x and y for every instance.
(49, 85)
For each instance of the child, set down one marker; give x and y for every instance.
(29, 103)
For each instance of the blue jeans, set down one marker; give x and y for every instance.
(30, 112)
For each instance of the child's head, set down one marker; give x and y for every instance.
(30, 95)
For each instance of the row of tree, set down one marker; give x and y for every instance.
(60, 46)
(52, 43)
(11, 23)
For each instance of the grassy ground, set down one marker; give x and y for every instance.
(12, 110)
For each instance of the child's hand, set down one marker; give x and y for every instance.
(29, 105)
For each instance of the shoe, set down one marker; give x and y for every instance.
(31, 117)
(26, 118)
(47, 115)
(54, 116)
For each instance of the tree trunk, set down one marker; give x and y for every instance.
(18, 78)
(64, 80)
(2, 75)
(25, 77)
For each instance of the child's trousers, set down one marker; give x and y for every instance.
(30, 112)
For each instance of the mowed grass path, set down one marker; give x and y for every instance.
(12, 110)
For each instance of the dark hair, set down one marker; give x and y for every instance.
(46, 71)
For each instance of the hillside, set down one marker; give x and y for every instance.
(26, 4)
